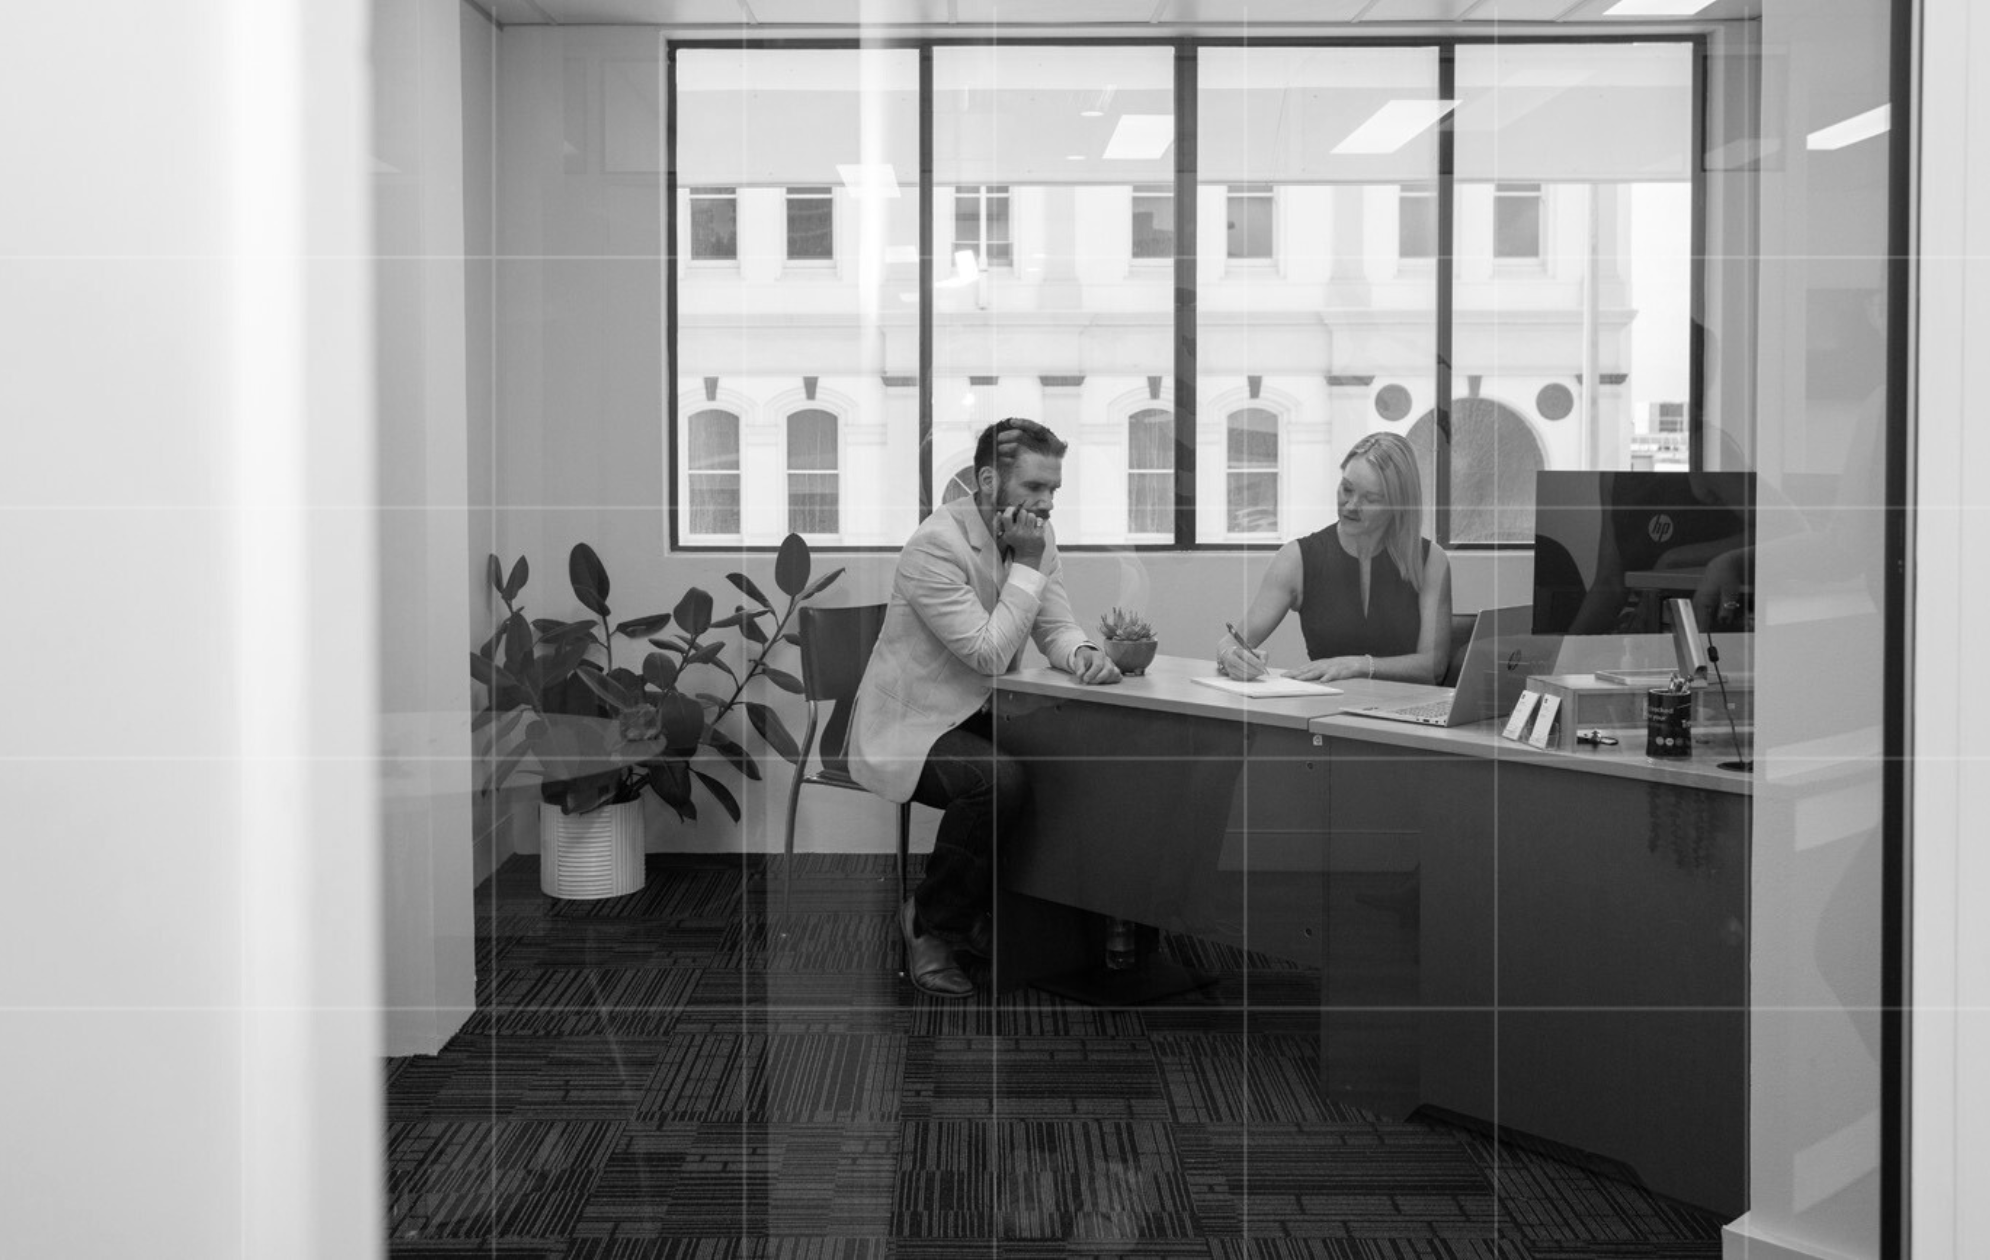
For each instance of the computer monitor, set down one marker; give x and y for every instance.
(1611, 547)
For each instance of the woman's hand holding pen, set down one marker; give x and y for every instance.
(1235, 659)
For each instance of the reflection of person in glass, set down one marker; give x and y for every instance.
(1372, 593)
(1647, 530)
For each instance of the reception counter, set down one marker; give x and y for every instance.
(1550, 942)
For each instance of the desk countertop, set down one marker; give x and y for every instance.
(1166, 687)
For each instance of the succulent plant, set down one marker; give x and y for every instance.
(1126, 627)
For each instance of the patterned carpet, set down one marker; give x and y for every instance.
(673, 1074)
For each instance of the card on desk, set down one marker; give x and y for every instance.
(1266, 688)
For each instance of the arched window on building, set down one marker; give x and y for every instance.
(1251, 471)
(814, 489)
(1494, 456)
(1150, 472)
(712, 472)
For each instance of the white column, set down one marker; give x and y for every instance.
(189, 1027)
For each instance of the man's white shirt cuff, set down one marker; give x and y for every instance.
(1031, 580)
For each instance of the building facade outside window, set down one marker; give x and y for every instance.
(814, 487)
(1250, 221)
(981, 222)
(712, 472)
(1516, 221)
(1150, 472)
(714, 224)
(1251, 471)
(1416, 221)
(811, 224)
(1153, 221)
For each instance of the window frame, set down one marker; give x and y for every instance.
(737, 473)
(982, 244)
(807, 192)
(789, 413)
(709, 193)
(1130, 414)
(1188, 253)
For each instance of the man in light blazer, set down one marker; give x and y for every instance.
(976, 579)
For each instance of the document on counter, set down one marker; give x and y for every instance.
(1266, 688)
(1523, 708)
(1544, 721)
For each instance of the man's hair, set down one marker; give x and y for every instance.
(1029, 436)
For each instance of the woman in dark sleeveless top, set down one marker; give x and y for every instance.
(1373, 595)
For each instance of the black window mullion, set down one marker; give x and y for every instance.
(670, 377)
(1447, 88)
(1696, 302)
(1185, 291)
(925, 281)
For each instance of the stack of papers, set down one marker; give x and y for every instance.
(1266, 688)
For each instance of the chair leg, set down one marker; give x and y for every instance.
(788, 847)
(904, 853)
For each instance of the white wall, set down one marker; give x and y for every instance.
(426, 573)
(188, 967)
(1950, 1109)
(479, 38)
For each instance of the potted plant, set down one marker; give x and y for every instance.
(1129, 641)
(603, 733)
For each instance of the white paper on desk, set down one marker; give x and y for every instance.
(1544, 721)
(1523, 708)
(1266, 688)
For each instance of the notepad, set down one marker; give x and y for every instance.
(1265, 688)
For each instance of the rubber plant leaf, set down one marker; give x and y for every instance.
(783, 679)
(694, 612)
(659, 671)
(589, 578)
(746, 584)
(683, 720)
(821, 584)
(791, 566)
(644, 627)
(516, 582)
(771, 729)
(720, 793)
(494, 572)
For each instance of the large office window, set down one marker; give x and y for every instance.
(1150, 473)
(774, 146)
(814, 489)
(1040, 327)
(1576, 160)
(1251, 472)
(981, 222)
(811, 223)
(714, 224)
(1565, 263)
(712, 477)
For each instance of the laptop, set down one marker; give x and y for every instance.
(1503, 654)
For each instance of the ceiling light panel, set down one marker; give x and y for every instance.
(1874, 122)
(1520, 10)
(1394, 125)
(1141, 137)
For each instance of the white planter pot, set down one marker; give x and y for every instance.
(585, 857)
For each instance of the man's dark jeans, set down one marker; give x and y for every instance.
(982, 792)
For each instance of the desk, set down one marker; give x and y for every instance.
(1570, 957)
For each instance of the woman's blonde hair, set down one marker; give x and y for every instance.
(1394, 461)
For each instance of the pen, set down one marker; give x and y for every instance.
(1241, 642)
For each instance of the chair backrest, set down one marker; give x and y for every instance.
(1461, 638)
(836, 646)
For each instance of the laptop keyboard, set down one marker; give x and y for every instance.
(1435, 711)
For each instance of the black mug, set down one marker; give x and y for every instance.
(1668, 723)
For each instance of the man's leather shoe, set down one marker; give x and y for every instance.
(929, 961)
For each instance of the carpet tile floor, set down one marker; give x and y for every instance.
(685, 1073)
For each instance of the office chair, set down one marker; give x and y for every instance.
(836, 646)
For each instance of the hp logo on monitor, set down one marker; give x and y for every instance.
(1659, 527)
